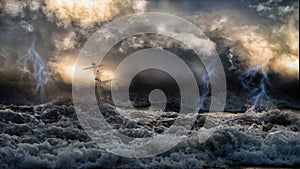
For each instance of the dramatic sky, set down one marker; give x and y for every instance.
(248, 34)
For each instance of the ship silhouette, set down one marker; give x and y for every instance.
(99, 83)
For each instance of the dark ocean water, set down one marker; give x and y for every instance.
(50, 136)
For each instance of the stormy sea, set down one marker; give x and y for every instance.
(149, 84)
(50, 136)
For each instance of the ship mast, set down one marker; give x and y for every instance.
(99, 83)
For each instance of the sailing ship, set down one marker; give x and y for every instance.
(98, 81)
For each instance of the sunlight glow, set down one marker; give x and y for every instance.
(88, 12)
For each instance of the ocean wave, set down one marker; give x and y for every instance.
(50, 136)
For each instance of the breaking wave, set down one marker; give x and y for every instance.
(50, 136)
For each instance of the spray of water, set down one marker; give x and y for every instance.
(256, 81)
(34, 64)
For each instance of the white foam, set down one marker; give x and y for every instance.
(56, 144)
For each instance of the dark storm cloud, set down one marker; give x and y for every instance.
(258, 33)
(233, 26)
(2, 61)
(58, 37)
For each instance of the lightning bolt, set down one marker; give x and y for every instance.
(256, 81)
(33, 61)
